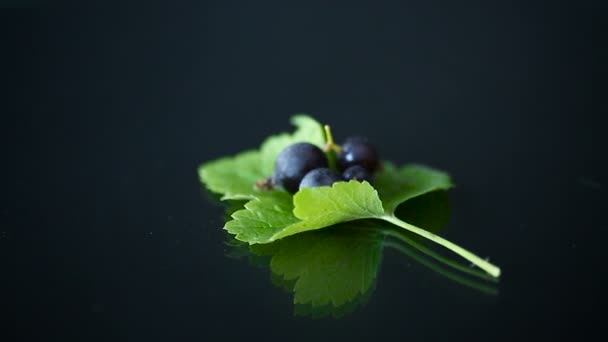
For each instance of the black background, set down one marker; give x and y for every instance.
(108, 109)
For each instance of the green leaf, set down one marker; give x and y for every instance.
(272, 215)
(396, 186)
(235, 177)
(324, 206)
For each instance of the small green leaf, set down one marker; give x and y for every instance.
(234, 177)
(396, 186)
(323, 206)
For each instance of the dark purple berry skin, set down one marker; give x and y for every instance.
(294, 162)
(320, 177)
(358, 151)
(357, 172)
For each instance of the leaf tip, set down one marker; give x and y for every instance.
(298, 118)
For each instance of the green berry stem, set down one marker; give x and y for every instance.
(477, 261)
(329, 138)
(331, 149)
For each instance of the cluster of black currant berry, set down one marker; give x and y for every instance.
(304, 165)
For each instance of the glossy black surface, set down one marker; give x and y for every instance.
(108, 109)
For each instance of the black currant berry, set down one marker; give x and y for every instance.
(358, 151)
(357, 172)
(320, 177)
(294, 162)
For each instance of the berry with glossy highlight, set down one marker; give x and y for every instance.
(294, 162)
(358, 151)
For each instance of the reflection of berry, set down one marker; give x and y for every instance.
(358, 151)
(294, 162)
(357, 172)
(320, 177)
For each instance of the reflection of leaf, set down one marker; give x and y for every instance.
(331, 266)
(332, 271)
(330, 310)
(272, 215)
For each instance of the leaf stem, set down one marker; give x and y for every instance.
(476, 285)
(477, 261)
(400, 235)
